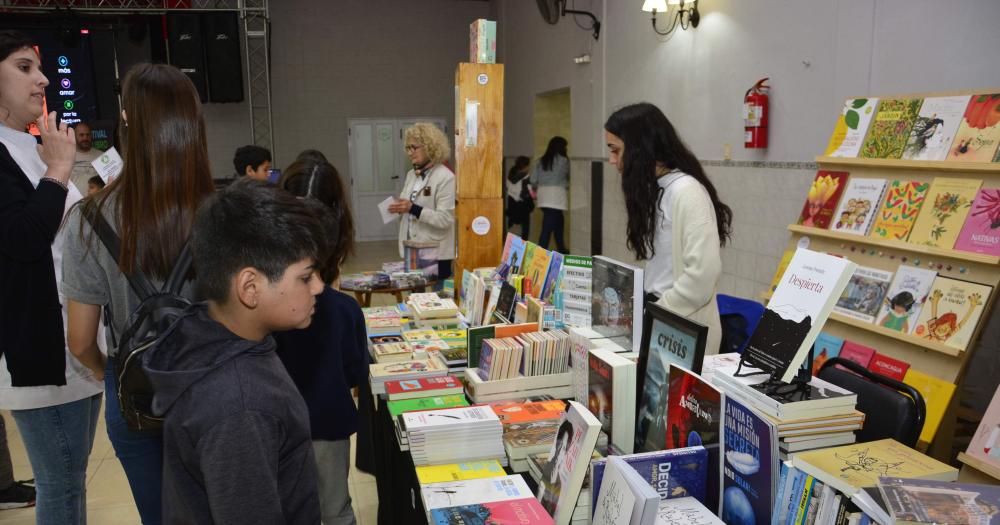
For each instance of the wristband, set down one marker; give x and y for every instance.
(61, 184)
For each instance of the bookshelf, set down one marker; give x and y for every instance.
(930, 357)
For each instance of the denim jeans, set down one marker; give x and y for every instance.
(553, 223)
(139, 451)
(58, 440)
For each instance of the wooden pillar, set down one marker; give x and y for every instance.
(478, 166)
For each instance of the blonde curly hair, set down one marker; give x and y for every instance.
(433, 140)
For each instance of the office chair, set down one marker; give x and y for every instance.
(739, 318)
(892, 409)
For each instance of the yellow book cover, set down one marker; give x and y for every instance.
(899, 210)
(785, 259)
(425, 334)
(537, 269)
(851, 126)
(979, 132)
(890, 129)
(943, 213)
(850, 467)
(937, 394)
(459, 471)
(952, 311)
(529, 255)
(451, 333)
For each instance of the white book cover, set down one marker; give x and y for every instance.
(935, 127)
(685, 511)
(863, 295)
(797, 311)
(611, 396)
(858, 206)
(852, 125)
(446, 417)
(570, 454)
(905, 298)
(472, 491)
(625, 498)
(580, 340)
(617, 304)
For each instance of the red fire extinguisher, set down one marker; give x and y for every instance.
(755, 116)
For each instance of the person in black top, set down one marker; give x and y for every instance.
(519, 201)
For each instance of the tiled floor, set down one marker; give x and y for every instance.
(109, 501)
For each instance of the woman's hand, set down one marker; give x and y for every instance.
(58, 149)
(400, 206)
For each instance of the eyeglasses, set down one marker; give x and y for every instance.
(412, 148)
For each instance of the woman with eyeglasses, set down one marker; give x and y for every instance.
(427, 203)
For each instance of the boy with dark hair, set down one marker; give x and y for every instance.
(252, 161)
(236, 439)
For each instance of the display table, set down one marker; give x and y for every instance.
(363, 293)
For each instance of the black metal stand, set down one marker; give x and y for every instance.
(797, 389)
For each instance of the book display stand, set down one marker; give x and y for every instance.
(796, 390)
(930, 356)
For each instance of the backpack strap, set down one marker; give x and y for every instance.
(175, 281)
(137, 280)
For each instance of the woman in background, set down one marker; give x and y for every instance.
(519, 201)
(676, 222)
(550, 179)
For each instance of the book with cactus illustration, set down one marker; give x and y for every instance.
(934, 128)
(852, 124)
(890, 129)
(824, 194)
(981, 232)
(902, 202)
(979, 132)
(952, 311)
(943, 213)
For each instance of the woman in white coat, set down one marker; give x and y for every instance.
(676, 222)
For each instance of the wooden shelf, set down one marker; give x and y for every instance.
(920, 165)
(897, 245)
(979, 465)
(899, 336)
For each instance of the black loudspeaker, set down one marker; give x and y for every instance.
(222, 57)
(187, 48)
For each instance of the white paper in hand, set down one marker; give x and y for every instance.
(383, 208)
(108, 165)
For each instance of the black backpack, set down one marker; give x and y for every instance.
(157, 311)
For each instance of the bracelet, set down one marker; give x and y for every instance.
(61, 184)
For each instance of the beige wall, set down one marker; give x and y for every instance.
(552, 118)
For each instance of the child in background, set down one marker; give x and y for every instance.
(94, 185)
(236, 442)
(329, 358)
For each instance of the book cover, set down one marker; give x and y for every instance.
(685, 511)
(900, 207)
(890, 129)
(984, 442)
(386, 370)
(826, 347)
(694, 416)
(937, 395)
(426, 403)
(750, 467)
(822, 199)
(527, 260)
(862, 297)
(611, 396)
(979, 132)
(524, 412)
(782, 265)
(797, 311)
(923, 501)
(852, 125)
(851, 467)
(624, 497)
(430, 386)
(532, 434)
(905, 298)
(981, 231)
(430, 305)
(858, 206)
(943, 214)
(476, 336)
(935, 127)
(390, 352)
(888, 366)
(676, 473)
(576, 280)
(510, 258)
(468, 492)
(537, 269)
(563, 475)
(858, 353)
(524, 511)
(552, 276)
(418, 335)
(953, 311)
(459, 471)
(616, 309)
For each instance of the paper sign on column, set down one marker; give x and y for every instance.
(383, 209)
(471, 123)
(108, 165)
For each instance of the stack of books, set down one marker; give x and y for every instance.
(528, 428)
(502, 499)
(456, 356)
(392, 352)
(382, 320)
(417, 404)
(380, 373)
(430, 310)
(453, 435)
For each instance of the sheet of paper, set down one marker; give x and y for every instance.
(108, 165)
(471, 123)
(383, 208)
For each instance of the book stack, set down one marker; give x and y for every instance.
(453, 435)
(382, 320)
(380, 373)
(392, 352)
(417, 404)
(502, 499)
(528, 428)
(456, 355)
(422, 387)
(429, 306)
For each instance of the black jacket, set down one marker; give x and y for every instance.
(30, 314)
(236, 445)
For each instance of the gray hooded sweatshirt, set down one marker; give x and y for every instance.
(236, 442)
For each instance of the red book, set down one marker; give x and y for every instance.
(822, 199)
(888, 366)
(860, 354)
(422, 387)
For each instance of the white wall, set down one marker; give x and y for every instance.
(816, 52)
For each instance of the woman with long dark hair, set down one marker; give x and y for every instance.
(676, 221)
(550, 178)
(519, 201)
(151, 206)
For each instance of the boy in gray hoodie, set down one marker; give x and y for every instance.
(236, 441)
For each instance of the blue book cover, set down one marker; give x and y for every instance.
(552, 277)
(675, 473)
(782, 490)
(799, 485)
(826, 347)
(750, 466)
(516, 257)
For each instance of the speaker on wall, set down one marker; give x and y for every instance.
(223, 60)
(187, 49)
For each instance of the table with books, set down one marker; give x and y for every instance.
(363, 285)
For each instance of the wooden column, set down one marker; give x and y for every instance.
(478, 166)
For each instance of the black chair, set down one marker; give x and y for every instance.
(892, 409)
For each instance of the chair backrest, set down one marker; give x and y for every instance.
(892, 409)
(739, 318)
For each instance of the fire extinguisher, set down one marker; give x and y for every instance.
(755, 112)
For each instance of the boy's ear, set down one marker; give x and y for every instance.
(248, 286)
(248, 170)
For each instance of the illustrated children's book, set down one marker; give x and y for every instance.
(695, 411)
(935, 127)
(826, 347)
(822, 199)
(917, 501)
(902, 202)
(890, 129)
(937, 395)
(858, 206)
(981, 232)
(750, 473)
(863, 294)
(985, 444)
(569, 456)
(979, 133)
(948, 203)
(852, 125)
(905, 298)
(953, 311)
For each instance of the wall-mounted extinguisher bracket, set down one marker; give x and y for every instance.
(755, 115)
